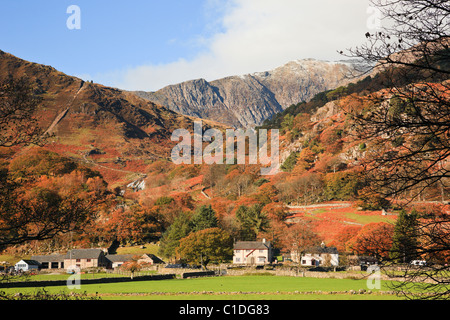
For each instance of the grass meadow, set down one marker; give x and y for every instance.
(231, 288)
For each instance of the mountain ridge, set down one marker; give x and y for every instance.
(247, 100)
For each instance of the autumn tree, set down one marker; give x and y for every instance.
(344, 236)
(213, 177)
(375, 240)
(341, 185)
(305, 160)
(18, 105)
(39, 208)
(168, 209)
(205, 246)
(276, 211)
(266, 194)
(306, 188)
(299, 237)
(132, 266)
(135, 224)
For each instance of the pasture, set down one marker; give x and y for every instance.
(232, 288)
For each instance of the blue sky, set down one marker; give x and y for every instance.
(147, 44)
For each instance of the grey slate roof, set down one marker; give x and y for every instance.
(84, 254)
(31, 262)
(317, 250)
(119, 257)
(89, 254)
(49, 258)
(251, 245)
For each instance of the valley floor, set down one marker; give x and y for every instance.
(261, 287)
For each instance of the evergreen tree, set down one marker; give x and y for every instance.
(290, 162)
(170, 240)
(252, 221)
(205, 218)
(405, 240)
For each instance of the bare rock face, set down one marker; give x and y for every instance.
(246, 101)
(328, 110)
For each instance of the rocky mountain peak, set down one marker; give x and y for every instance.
(247, 100)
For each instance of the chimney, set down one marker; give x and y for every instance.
(264, 240)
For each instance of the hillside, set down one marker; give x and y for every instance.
(115, 131)
(127, 140)
(246, 101)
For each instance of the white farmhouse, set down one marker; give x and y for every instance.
(320, 256)
(252, 252)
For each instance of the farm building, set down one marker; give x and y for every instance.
(86, 258)
(90, 258)
(252, 252)
(150, 259)
(318, 256)
(26, 265)
(52, 261)
(117, 260)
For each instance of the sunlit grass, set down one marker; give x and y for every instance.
(231, 287)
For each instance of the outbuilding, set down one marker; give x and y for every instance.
(26, 265)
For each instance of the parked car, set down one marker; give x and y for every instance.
(176, 266)
(418, 263)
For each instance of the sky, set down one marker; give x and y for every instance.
(149, 44)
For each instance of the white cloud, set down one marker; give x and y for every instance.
(259, 35)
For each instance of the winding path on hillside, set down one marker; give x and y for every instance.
(92, 162)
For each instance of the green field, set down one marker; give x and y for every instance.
(230, 288)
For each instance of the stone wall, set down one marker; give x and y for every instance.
(58, 283)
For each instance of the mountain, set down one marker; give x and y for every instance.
(246, 101)
(115, 131)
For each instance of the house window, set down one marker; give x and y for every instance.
(238, 259)
(261, 251)
(303, 261)
(78, 260)
(88, 260)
